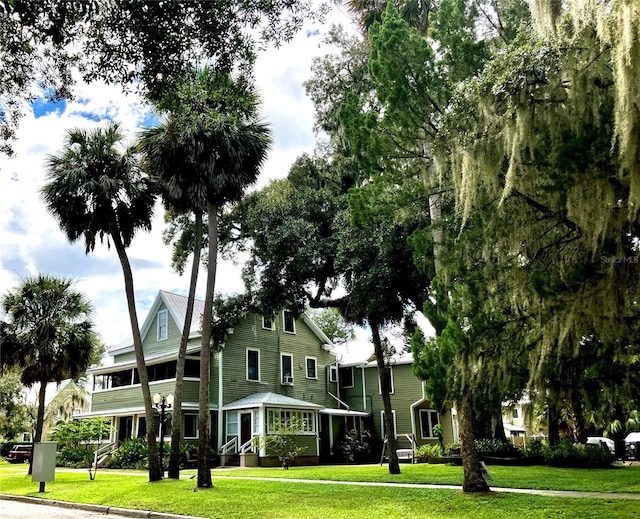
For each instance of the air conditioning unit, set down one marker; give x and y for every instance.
(287, 380)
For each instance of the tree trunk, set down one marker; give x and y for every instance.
(155, 474)
(37, 437)
(553, 417)
(204, 464)
(176, 430)
(473, 480)
(385, 389)
(499, 433)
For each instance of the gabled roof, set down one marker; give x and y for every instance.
(177, 307)
(270, 399)
(176, 304)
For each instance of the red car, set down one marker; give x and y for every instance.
(19, 454)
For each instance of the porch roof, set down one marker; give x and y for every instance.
(124, 411)
(343, 412)
(270, 399)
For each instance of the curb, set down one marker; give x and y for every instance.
(101, 509)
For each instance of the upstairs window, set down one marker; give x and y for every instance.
(267, 322)
(253, 365)
(289, 322)
(163, 325)
(311, 367)
(346, 377)
(514, 413)
(286, 369)
(333, 374)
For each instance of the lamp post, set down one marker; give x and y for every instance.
(162, 403)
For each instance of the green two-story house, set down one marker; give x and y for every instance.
(270, 369)
(414, 415)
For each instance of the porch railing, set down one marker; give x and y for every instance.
(248, 446)
(103, 452)
(231, 447)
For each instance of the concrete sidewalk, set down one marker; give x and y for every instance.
(100, 510)
(550, 493)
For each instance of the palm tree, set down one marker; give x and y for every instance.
(48, 335)
(207, 153)
(167, 159)
(414, 12)
(95, 190)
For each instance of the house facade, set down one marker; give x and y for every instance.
(269, 370)
(414, 415)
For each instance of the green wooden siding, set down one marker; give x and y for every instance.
(307, 441)
(407, 390)
(249, 334)
(128, 396)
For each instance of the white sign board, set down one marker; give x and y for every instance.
(43, 467)
(485, 472)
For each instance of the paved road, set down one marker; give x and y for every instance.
(18, 510)
(16, 507)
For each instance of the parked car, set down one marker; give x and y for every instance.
(603, 442)
(632, 446)
(19, 454)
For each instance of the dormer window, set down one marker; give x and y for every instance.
(163, 325)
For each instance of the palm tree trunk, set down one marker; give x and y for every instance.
(385, 389)
(155, 474)
(176, 431)
(39, 418)
(473, 480)
(204, 465)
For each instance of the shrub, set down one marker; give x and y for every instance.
(75, 457)
(486, 447)
(496, 448)
(132, 454)
(424, 452)
(354, 447)
(567, 454)
(284, 441)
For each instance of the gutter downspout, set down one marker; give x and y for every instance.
(364, 390)
(413, 413)
(220, 400)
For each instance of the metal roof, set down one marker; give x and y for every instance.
(270, 399)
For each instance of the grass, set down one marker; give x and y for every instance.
(237, 498)
(619, 479)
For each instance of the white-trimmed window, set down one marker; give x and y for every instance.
(333, 374)
(163, 325)
(311, 367)
(288, 322)
(395, 425)
(232, 425)
(428, 420)
(267, 322)
(346, 377)
(389, 371)
(253, 365)
(190, 426)
(306, 420)
(286, 369)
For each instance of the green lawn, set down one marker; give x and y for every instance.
(619, 479)
(236, 498)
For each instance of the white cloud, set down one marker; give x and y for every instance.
(31, 241)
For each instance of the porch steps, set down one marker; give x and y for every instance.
(233, 461)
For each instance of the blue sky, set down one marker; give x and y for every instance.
(30, 240)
